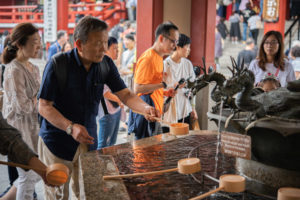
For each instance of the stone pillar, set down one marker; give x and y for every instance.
(203, 23)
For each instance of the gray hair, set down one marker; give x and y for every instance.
(295, 43)
(295, 51)
(61, 33)
(249, 41)
(87, 25)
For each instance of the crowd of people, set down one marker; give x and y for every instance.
(67, 98)
(247, 12)
(57, 114)
(266, 58)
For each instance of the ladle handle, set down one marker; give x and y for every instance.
(207, 193)
(139, 174)
(12, 164)
(156, 118)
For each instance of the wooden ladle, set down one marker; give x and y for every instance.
(184, 166)
(288, 193)
(56, 174)
(228, 183)
(179, 128)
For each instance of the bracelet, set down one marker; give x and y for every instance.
(165, 85)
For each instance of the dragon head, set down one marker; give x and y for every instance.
(241, 78)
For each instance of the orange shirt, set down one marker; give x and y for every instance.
(149, 70)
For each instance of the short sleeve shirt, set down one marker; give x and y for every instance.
(173, 73)
(53, 49)
(283, 76)
(78, 102)
(149, 70)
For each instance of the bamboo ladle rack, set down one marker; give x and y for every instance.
(56, 174)
(228, 183)
(184, 166)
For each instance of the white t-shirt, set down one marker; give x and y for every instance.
(127, 58)
(173, 72)
(252, 22)
(283, 76)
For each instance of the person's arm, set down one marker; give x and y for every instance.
(34, 162)
(137, 104)
(117, 86)
(147, 88)
(79, 132)
(251, 2)
(12, 145)
(242, 18)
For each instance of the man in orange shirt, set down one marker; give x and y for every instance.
(148, 78)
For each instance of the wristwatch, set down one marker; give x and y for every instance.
(165, 85)
(69, 129)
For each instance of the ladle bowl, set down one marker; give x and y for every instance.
(179, 128)
(57, 174)
(288, 193)
(189, 165)
(232, 183)
(228, 183)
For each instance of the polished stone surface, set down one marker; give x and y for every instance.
(151, 154)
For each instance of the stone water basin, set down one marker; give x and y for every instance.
(158, 153)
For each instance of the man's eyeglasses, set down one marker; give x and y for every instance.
(173, 41)
(271, 43)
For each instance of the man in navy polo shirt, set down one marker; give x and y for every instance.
(69, 123)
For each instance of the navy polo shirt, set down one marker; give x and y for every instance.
(78, 103)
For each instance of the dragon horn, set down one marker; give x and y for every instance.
(236, 66)
(204, 66)
(233, 67)
(232, 71)
(242, 65)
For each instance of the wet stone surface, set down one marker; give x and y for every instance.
(157, 154)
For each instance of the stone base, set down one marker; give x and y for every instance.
(268, 175)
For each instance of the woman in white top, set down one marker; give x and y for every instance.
(177, 67)
(21, 85)
(271, 60)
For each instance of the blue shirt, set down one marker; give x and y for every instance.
(78, 103)
(53, 49)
